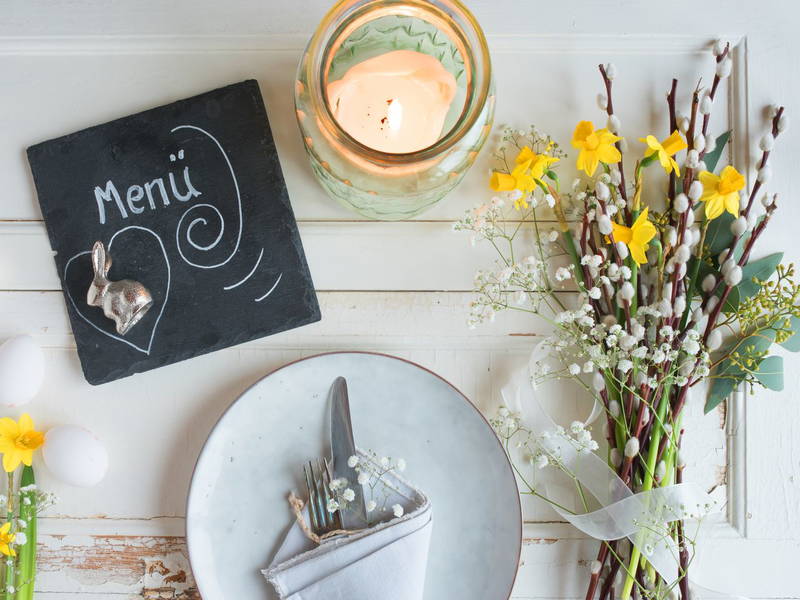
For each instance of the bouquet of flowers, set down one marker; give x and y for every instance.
(22, 504)
(669, 294)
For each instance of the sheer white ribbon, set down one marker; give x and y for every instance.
(643, 517)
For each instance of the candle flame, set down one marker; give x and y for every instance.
(394, 114)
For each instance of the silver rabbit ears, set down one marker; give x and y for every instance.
(124, 301)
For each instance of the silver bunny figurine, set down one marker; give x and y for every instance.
(125, 301)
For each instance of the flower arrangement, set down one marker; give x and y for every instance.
(669, 296)
(22, 503)
(371, 470)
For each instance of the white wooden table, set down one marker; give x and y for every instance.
(400, 288)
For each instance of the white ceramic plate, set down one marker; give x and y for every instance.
(237, 512)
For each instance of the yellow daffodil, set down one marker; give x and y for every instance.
(18, 440)
(6, 539)
(665, 150)
(595, 147)
(530, 168)
(721, 193)
(537, 163)
(637, 237)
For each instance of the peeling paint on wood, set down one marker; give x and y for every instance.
(149, 567)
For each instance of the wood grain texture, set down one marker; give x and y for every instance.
(396, 288)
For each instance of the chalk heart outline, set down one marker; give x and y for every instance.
(163, 305)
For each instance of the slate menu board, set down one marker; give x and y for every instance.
(189, 200)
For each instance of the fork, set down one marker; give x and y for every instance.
(318, 484)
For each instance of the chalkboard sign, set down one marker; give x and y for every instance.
(190, 201)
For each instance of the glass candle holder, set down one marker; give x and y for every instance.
(382, 183)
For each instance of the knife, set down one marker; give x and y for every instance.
(342, 448)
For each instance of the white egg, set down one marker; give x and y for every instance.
(21, 370)
(75, 455)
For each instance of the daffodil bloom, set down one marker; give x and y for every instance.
(18, 440)
(665, 150)
(6, 539)
(595, 147)
(721, 193)
(537, 163)
(637, 237)
(530, 168)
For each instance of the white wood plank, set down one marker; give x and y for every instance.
(56, 76)
(341, 255)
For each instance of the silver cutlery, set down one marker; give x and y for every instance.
(318, 482)
(342, 448)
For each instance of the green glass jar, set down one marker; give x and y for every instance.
(379, 184)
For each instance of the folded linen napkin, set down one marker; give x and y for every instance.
(387, 561)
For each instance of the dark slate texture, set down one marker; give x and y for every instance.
(223, 138)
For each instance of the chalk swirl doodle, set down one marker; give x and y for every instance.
(198, 216)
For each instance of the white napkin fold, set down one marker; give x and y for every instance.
(386, 562)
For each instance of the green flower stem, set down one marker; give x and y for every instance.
(573, 253)
(27, 553)
(647, 483)
(10, 562)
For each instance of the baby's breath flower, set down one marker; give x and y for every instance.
(397, 510)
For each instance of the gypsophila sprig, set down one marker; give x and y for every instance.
(666, 293)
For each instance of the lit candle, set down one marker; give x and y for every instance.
(395, 102)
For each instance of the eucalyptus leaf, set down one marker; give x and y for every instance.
(761, 269)
(792, 344)
(718, 234)
(770, 373)
(727, 375)
(720, 390)
(712, 158)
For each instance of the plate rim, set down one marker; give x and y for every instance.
(192, 481)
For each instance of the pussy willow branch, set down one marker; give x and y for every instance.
(610, 112)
